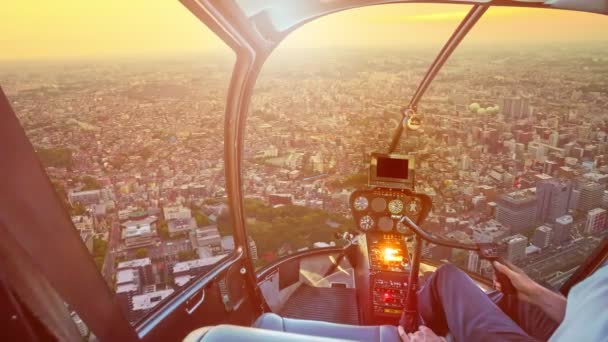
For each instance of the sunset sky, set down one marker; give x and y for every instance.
(76, 29)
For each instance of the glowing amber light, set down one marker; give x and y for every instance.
(391, 255)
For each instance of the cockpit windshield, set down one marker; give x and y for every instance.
(498, 151)
(508, 141)
(319, 108)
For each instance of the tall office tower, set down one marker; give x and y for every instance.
(561, 229)
(590, 196)
(542, 236)
(605, 199)
(473, 262)
(516, 247)
(516, 210)
(516, 107)
(552, 197)
(596, 221)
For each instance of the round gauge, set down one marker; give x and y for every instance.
(395, 206)
(414, 207)
(360, 203)
(366, 223)
(379, 204)
(401, 228)
(385, 224)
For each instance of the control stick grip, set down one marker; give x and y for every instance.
(506, 286)
(492, 252)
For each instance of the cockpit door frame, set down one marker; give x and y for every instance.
(32, 214)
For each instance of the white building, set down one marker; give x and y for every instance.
(176, 213)
(516, 247)
(542, 236)
(473, 262)
(139, 233)
(149, 300)
(596, 220)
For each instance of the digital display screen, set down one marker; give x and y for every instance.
(392, 168)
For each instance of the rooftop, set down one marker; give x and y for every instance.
(149, 300)
(126, 276)
(544, 229)
(133, 231)
(182, 280)
(196, 263)
(129, 287)
(566, 219)
(596, 211)
(145, 221)
(516, 238)
(134, 263)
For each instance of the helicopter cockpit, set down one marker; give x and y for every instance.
(221, 226)
(371, 286)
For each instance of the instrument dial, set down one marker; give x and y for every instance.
(414, 207)
(361, 203)
(385, 224)
(401, 228)
(379, 204)
(395, 206)
(366, 223)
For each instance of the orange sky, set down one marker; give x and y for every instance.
(75, 28)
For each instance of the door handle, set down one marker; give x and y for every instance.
(193, 308)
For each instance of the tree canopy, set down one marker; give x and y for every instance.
(291, 225)
(141, 253)
(55, 157)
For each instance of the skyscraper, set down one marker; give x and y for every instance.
(473, 262)
(590, 196)
(516, 247)
(516, 107)
(517, 210)
(561, 229)
(542, 237)
(552, 197)
(596, 220)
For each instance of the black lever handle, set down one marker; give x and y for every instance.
(491, 252)
(488, 251)
(506, 286)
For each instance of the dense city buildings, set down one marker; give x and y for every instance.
(135, 151)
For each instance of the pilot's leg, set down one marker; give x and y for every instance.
(529, 317)
(451, 301)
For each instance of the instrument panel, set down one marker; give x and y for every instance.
(380, 209)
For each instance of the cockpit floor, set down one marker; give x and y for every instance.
(337, 305)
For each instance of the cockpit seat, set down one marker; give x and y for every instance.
(235, 333)
(377, 333)
(273, 328)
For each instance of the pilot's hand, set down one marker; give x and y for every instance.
(527, 289)
(423, 334)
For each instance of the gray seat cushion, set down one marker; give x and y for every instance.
(234, 333)
(377, 333)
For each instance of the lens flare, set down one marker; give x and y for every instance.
(392, 255)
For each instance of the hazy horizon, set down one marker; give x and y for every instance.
(119, 29)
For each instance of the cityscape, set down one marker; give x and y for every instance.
(513, 147)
